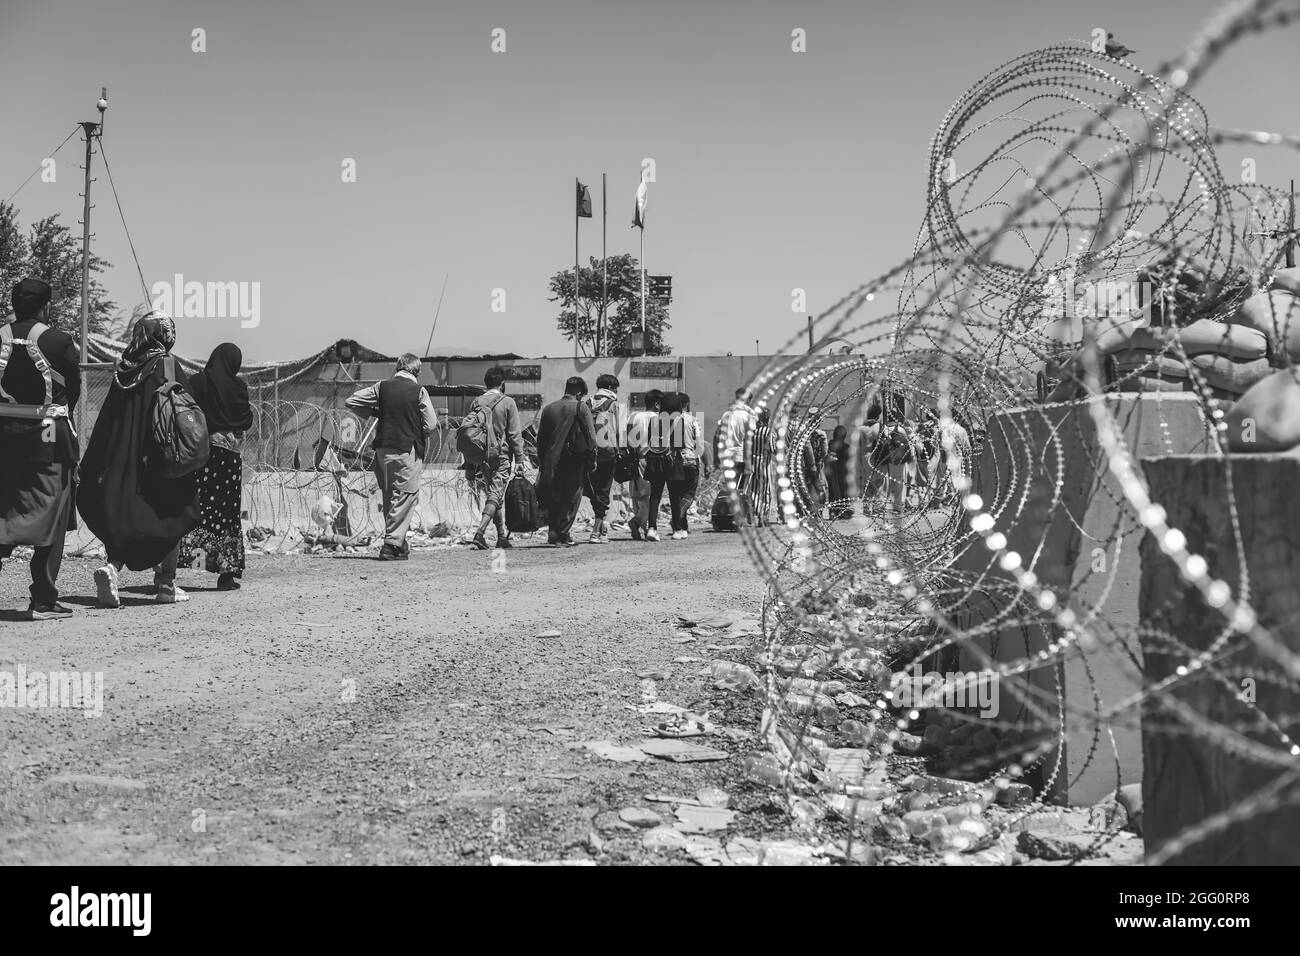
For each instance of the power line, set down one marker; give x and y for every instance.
(140, 272)
(42, 165)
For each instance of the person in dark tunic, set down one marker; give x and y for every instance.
(139, 515)
(40, 383)
(223, 397)
(566, 446)
(837, 475)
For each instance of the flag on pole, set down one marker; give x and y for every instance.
(584, 201)
(638, 214)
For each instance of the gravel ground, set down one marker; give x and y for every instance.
(227, 735)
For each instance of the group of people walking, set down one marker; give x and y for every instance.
(145, 515)
(583, 450)
(150, 515)
(746, 438)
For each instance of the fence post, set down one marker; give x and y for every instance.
(275, 435)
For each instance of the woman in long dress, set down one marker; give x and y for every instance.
(761, 449)
(139, 515)
(837, 475)
(223, 397)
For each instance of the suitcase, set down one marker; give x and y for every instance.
(522, 511)
(722, 518)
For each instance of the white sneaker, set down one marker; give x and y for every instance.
(651, 534)
(106, 586)
(678, 535)
(173, 595)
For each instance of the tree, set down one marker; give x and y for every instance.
(13, 253)
(627, 320)
(624, 307)
(54, 255)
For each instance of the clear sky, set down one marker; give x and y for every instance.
(775, 170)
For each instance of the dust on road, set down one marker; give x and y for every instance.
(342, 710)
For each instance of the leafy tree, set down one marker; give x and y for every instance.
(13, 254)
(578, 314)
(627, 320)
(54, 255)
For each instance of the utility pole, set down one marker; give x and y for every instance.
(604, 265)
(91, 130)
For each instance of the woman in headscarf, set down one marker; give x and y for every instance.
(223, 397)
(837, 475)
(138, 514)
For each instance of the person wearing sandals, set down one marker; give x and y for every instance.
(139, 515)
(223, 397)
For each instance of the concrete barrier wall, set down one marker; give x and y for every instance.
(1197, 767)
(1046, 480)
(710, 380)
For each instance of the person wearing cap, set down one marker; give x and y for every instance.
(40, 383)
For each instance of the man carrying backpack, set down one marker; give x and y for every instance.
(406, 419)
(491, 440)
(598, 483)
(40, 382)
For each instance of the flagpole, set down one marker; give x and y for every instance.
(604, 267)
(643, 341)
(577, 203)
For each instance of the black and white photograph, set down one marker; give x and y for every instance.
(671, 434)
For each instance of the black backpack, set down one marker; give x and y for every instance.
(723, 518)
(522, 513)
(180, 430)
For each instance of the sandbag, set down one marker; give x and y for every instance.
(1149, 363)
(1267, 418)
(1205, 336)
(1114, 333)
(1277, 315)
(1222, 372)
(1288, 279)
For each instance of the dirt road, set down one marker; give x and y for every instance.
(340, 710)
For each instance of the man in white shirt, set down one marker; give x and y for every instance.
(731, 441)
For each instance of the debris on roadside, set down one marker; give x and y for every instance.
(680, 752)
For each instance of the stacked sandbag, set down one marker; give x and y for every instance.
(1230, 357)
(1267, 417)
(1276, 314)
(1288, 280)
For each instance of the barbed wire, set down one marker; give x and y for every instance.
(1064, 167)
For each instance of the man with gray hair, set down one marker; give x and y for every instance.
(406, 419)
